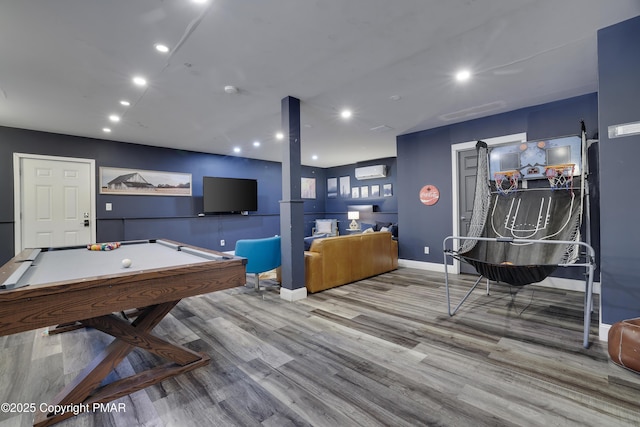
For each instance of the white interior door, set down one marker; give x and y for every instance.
(55, 201)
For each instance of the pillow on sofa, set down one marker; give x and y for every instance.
(368, 230)
(394, 230)
(324, 226)
(380, 224)
(364, 226)
(309, 240)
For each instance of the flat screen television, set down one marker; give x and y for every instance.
(229, 194)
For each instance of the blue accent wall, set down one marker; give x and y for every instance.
(144, 217)
(619, 103)
(425, 158)
(385, 208)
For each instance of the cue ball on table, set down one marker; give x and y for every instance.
(126, 263)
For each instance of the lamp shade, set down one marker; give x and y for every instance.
(353, 215)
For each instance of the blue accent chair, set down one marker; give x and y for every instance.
(261, 254)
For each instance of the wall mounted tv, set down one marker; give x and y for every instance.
(229, 194)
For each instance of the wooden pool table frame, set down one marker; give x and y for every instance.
(92, 301)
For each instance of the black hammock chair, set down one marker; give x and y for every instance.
(521, 236)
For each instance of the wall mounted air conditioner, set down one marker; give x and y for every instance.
(371, 172)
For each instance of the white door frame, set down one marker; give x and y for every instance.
(455, 149)
(17, 193)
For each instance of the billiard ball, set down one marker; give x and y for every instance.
(126, 263)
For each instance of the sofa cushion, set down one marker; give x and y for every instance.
(394, 230)
(380, 224)
(309, 240)
(325, 226)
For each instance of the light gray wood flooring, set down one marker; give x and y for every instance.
(382, 351)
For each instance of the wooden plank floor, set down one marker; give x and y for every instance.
(381, 351)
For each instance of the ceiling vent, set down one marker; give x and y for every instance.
(371, 172)
(473, 111)
(381, 128)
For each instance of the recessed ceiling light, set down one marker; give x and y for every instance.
(346, 114)
(395, 97)
(314, 157)
(279, 135)
(162, 48)
(106, 130)
(463, 75)
(139, 81)
(236, 149)
(114, 118)
(230, 89)
(256, 143)
(125, 103)
(200, 1)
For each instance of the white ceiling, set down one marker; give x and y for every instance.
(65, 64)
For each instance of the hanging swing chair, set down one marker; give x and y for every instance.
(521, 236)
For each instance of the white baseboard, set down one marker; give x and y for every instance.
(568, 284)
(421, 265)
(603, 332)
(550, 282)
(293, 295)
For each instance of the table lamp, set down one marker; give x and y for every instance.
(353, 216)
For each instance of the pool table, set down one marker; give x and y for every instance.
(77, 286)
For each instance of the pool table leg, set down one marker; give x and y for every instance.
(64, 327)
(85, 387)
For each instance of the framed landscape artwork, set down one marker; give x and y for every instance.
(144, 182)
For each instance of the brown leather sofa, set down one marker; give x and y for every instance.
(335, 261)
